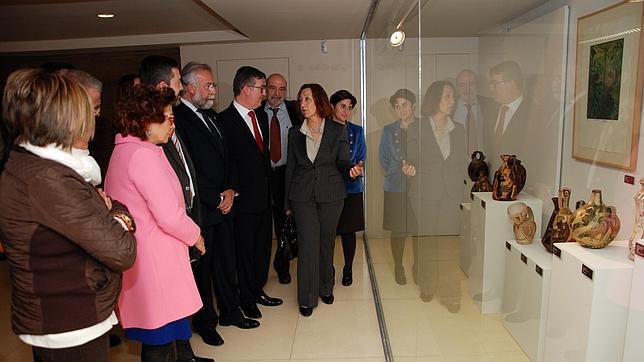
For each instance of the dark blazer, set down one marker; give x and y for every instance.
(326, 175)
(177, 165)
(210, 156)
(251, 168)
(513, 140)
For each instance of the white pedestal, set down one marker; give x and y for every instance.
(467, 188)
(526, 294)
(490, 228)
(465, 237)
(634, 346)
(589, 296)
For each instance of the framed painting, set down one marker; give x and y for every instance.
(608, 86)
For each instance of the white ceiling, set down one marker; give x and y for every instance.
(64, 24)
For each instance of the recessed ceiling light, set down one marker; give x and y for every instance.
(105, 15)
(397, 38)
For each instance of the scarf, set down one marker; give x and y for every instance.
(78, 160)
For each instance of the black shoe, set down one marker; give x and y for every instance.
(212, 338)
(327, 299)
(284, 278)
(400, 275)
(197, 359)
(185, 353)
(267, 301)
(306, 311)
(347, 277)
(243, 323)
(251, 311)
(114, 340)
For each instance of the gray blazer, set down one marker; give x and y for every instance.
(324, 178)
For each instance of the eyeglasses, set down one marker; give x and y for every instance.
(494, 83)
(210, 86)
(97, 111)
(262, 88)
(347, 107)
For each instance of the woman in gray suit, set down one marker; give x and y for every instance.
(317, 164)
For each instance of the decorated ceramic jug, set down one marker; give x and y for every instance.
(479, 171)
(509, 179)
(594, 224)
(523, 222)
(546, 239)
(561, 224)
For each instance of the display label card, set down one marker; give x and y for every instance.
(639, 249)
(556, 251)
(508, 246)
(524, 259)
(587, 271)
(538, 270)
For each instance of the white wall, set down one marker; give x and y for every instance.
(339, 68)
(583, 177)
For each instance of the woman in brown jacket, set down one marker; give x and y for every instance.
(66, 243)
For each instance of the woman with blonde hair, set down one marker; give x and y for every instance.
(66, 245)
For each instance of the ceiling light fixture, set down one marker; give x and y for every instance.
(397, 38)
(105, 15)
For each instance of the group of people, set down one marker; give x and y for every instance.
(191, 198)
(425, 158)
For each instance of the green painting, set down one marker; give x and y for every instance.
(605, 79)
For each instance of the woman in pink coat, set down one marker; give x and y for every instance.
(159, 291)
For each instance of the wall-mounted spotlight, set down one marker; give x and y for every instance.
(397, 38)
(323, 47)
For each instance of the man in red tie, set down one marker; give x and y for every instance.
(249, 157)
(282, 115)
(509, 126)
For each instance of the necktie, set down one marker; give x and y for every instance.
(499, 127)
(258, 136)
(209, 123)
(177, 145)
(275, 145)
(471, 130)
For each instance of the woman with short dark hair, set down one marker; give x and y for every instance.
(159, 292)
(352, 216)
(67, 245)
(317, 163)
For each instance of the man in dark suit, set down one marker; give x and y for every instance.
(196, 124)
(282, 115)
(162, 72)
(247, 133)
(510, 123)
(471, 110)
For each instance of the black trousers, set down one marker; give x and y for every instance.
(94, 350)
(253, 247)
(217, 270)
(279, 216)
(316, 226)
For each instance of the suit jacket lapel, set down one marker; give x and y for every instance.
(328, 135)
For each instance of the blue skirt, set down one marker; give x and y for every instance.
(177, 330)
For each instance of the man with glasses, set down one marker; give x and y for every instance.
(282, 115)
(197, 125)
(510, 123)
(247, 133)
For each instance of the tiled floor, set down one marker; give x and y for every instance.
(347, 330)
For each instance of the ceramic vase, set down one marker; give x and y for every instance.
(509, 179)
(594, 224)
(561, 224)
(546, 239)
(479, 172)
(522, 222)
(638, 227)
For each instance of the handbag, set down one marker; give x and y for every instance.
(287, 243)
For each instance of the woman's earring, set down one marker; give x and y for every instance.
(147, 133)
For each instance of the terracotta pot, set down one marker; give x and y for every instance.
(594, 224)
(561, 224)
(523, 222)
(546, 239)
(509, 179)
(479, 172)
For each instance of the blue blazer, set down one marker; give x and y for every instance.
(391, 152)
(357, 152)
